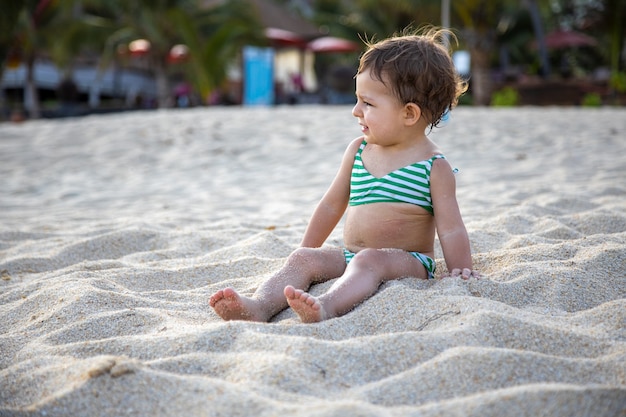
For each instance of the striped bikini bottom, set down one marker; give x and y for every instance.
(428, 262)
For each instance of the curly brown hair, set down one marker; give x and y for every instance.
(418, 68)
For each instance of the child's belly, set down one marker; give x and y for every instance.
(389, 225)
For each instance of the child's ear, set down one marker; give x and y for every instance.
(412, 113)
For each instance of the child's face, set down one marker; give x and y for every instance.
(379, 111)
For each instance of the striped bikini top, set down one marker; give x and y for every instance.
(410, 184)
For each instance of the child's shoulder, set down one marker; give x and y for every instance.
(441, 168)
(354, 145)
(356, 142)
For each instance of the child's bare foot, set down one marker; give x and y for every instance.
(305, 305)
(229, 305)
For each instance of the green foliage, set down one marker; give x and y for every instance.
(618, 81)
(374, 18)
(466, 100)
(8, 17)
(592, 100)
(505, 97)
(214, 35)
(224, 30)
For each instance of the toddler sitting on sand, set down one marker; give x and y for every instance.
(394, 185)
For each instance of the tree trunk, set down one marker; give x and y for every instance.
(541, 42)
(31, 95)
(480, 81)
(480, 45)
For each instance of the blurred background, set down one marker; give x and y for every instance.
(75, 57)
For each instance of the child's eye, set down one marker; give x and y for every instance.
(366, 103)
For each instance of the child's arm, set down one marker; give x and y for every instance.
(450, 228)
(332, 206)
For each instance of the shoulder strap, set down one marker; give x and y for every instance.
(440, 156)
(361, 147)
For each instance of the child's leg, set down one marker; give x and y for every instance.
(303, 267)
(364, 274)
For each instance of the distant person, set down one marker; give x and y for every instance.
(394, 184)
(297, 82)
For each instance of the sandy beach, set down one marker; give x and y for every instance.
(116, 229)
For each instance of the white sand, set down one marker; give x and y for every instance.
(115, 229)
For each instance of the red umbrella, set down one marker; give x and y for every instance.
(178, 53)
(332, 44)
(284, 37)
(562, 39)
(139, 47)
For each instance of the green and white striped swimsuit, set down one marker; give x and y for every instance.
(410, 184)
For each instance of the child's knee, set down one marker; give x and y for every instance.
(301, 254)
(304, 257)
(367, 258)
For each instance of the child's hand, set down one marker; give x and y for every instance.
(464, 273)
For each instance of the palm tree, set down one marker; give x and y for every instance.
(31, 36)
(224, 30)
(479, 19)
(39, 27)
(213, 35)
(63, 29)
(8, 19)
(363, 17)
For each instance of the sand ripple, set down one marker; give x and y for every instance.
(114, 231)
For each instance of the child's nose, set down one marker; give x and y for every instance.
(356, 110)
